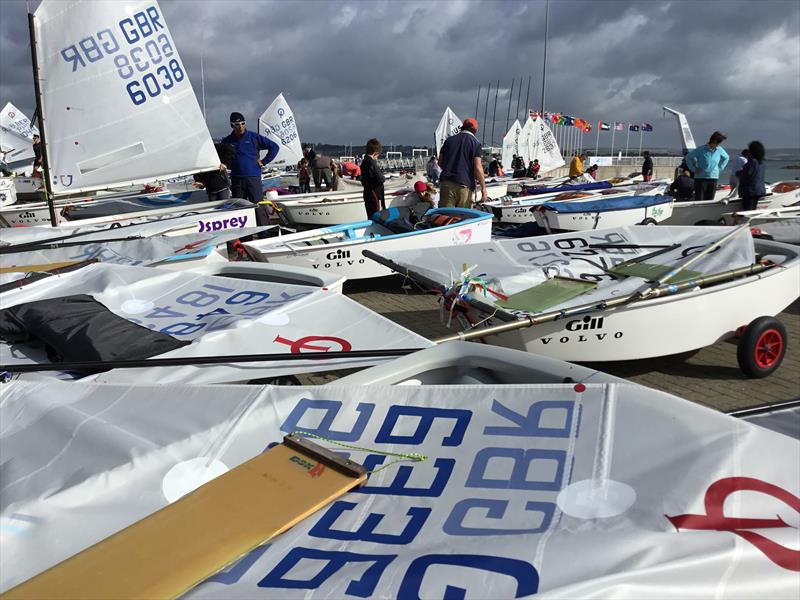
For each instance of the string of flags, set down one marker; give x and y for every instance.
(556, 118)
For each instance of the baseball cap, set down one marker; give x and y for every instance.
(237, 116)
(471, 124)
(420, 187)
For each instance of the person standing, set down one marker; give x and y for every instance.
(737, 164)
(334, 176)
(372, 178)
(321, 169)
(706, 162)
(494, 166)
(647, 166)
(246, 166)
(37, 155)
(460, 159)
(576, 166)
(304, 176)
(217, 183)
(751, 177)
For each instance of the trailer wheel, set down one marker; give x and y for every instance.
(649, 221)
(762, 347)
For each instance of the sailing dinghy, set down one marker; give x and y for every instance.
(190, 316)
(477, 491)
(339, 249)
(618, 294)
(603, 213)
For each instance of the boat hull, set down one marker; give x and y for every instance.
(692, 213)
(648, 328)
(603, 219)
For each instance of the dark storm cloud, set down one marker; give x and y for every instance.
(356, 69)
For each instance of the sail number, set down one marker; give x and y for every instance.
(139, 49)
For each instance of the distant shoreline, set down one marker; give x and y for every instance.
(795, 166)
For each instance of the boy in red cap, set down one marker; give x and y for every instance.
(460, 159)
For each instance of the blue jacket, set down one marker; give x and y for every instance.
(707, 163)
(245, 162)
(751, 180)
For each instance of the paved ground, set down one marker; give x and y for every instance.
(710, 377)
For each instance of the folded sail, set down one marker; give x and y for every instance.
(220, 316)
(14, 147)
(448, 125)
(278, 124)
(118, 106)
(15, 121)
(614, 491)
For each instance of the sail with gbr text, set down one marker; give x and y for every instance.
(278, 124)
(117, 103)
(448, 125)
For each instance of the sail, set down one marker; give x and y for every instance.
(595, 491)
(516, 265)
(542, 146)
(525, 140)
(448, 125)
(15, 121)
(511, 145)
(14, 147)
(118, 106)
(278, 124)
(220, 315)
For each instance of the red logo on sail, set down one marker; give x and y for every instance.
(296, 346)
(715, 518)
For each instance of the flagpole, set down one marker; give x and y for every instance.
(494, 115)
(613, 133)
(641, 132)
(485, 114)
(508, 112)
(597, 141)
(627, 137)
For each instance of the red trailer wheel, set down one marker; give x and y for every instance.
(762, 347)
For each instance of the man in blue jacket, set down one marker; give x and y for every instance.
(707, 162)
(245, 166)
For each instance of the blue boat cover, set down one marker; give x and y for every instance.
(623, 203)
(575, 187)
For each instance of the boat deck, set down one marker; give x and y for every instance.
(710, 377)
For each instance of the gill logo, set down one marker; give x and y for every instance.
(314, 470)
(715, 518)
(338, 255)
(585, 324)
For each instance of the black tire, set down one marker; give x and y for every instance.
(649, 221)
(761, 347)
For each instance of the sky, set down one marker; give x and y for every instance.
(352, 70)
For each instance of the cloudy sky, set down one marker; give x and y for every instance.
(352, 70)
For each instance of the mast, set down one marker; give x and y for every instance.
(519, 97)
(485, 113)
(508, 113)
(544, 62)
(527, 98)
(203, 87)
(40, 113)
(494, 115)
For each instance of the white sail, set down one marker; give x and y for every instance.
(542, 146)
(15, 121)
(591, 491)
(513, 265)
(221, 316)
(511, 145)
(448, 125)
(278, 124)
(118, 106)
(525, 140)
(14, 147)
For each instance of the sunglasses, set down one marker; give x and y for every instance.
(242, 123)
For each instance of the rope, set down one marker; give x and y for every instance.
(401, 456)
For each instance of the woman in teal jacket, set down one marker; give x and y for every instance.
(707, 162)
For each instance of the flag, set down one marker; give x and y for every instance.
(647, 127)
(568, 121)
(603, 126)
(633, 127)
(619, 126)
(580, 123)
(587, 127)
(555, 118)
(534, 114)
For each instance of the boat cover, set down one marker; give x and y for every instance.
(575, 187)
(614, 491)
(609, 204)
(509, 266)
(219, 316)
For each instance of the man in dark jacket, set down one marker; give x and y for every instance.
(460, 158)
(372, 178)
(647, 167)
(682, 189)
(751, 177)
(245, 166)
